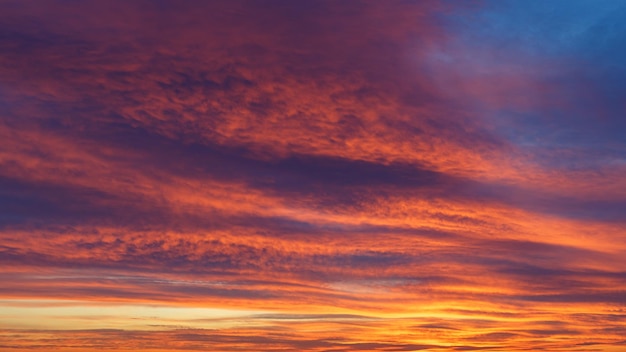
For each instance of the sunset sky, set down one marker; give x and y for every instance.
(312, 175)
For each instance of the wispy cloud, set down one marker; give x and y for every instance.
(342, 176)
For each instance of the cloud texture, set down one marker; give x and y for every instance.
(320, 175)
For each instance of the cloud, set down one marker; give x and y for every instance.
(372, 176)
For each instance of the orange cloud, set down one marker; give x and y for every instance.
(290, 176)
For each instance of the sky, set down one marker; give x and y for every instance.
(278, 175)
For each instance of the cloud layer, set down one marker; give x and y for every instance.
(361, 175)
